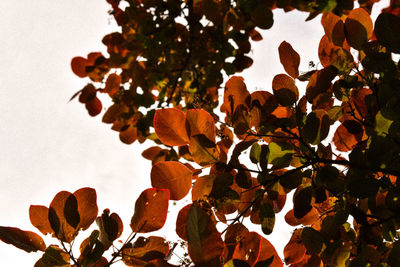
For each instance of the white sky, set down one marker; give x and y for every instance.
(49, 145)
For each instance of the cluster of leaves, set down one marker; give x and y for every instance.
(174, 52)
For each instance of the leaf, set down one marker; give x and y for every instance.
(145, 249)
(289, 58)
(358, 28)
(39, 216)
(202, 187)
(151, 210)
(334, 28)
(25, 240)
(181, 222)
(308, 219)
(113, 83)
(205, 244)
(57, 218)
(387, 31)
(312, 240)
(320, 82)
(347, 135)
(110, 226)
(78, 66)
(54, 256)
(248, 248)
(172, 175)
(169, 125)
(129, 134)
(280, 154)
(302, 201)
(285, 90)
(87, 206)
(294, 251)
(235, 94)
(316, 127)
(94, 106)
(199, 121)
(204, 151)
(267, 251)
(262, 16)
(330, 54)
(267, 218)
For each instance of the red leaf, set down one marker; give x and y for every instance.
(267, 251)
(150, 210)
(199, 121)
(319, 83)
(145, 249)
(294, 250)
(78, 66)
(334, 28)
(248, 248)
(25, 240)
(181, 221)
(289, 58)
(39, 216)
(128, 135)
(308, 219)
(112, 84)
(87, 206)
(348, 134)
(94, 106)
(235, 94)
(169, 125)
(172, 175)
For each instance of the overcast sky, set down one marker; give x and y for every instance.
(49, 145)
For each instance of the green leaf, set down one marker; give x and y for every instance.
(255, 152)
(267, 218)
(280, 154)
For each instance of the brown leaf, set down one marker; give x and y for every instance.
(289, 58)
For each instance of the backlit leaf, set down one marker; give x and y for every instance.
(145, 249)
(150, 210)
(347, 135)
(25, 240)
(78, 65)
(169, 125)
(333, 27)
(87, 206)
(39, 216)
(294, 250)
(358, 28)
(289, 58)
(112, 84)
(267, 251)
(204, 241)
(181, 222)
(308, 219)
(110, 226)
(204, 151)
(285, 90)
(319, 83)
(199, 121)
(235, 94)
(172, 175)
(316, 127)
(248, 248)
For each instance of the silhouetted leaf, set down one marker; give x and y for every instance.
(358, 28)
(387, 31)
(334, 28)
(312, 240)
(285, 90)
(302, 201)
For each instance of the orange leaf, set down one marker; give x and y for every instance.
(39, 216)
(204, 151)
(199, 121)
(78, 66)
(170, 127)
(348, 134)
(334, 28)
(172, 175)
(289, 58)
(285, 90)
(145, 249)
(112, 84)
(248, 248)
(25, 240)
(308, 219)
(87, 206)
(63, 229)
(267, 251)
(128, 135)
(94, 106)
(235, 94)
(181, 221)
(150, 210)
(358, 28)
(319, 83)
(294, 250)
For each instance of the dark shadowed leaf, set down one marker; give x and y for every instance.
(312, 240)
(358, 28)
(172, 175)
(333, 27)
(347, 135)
(302, 201)
(203, 150)
(204, 241)
(110, 226)
(316, 127)
(150, 210)
(267, 218)
(25, 240)
(320, 82)
(145, 249)
(387, 31)
(62, 229)
(87, 206)
(235, 94)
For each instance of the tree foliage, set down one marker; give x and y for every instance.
(163, 73)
